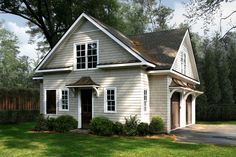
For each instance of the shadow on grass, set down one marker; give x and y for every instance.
(72, 144)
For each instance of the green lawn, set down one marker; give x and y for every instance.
(217, 122)
(16, 140)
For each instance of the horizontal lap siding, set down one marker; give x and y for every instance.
(109, 50)
(159, 97)
(127, 82)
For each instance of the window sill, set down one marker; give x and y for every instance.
(109, 112)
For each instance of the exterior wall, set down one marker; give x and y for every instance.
(109, 50)
(127, 81)
(41, 107)
(145, 116)
(159, 98)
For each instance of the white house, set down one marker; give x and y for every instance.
(95, 70)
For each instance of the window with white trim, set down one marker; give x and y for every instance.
(145, 103)
(64, 100)
(183, 62)
(110, 99)
(86, 55)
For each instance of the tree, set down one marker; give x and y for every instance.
(15, 71)
(145, 16)
(232, 67)
(205, 9)
(52, 18)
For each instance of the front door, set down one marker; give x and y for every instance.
(51, 101)
(175, 110)
(86, 104)
(189, 110)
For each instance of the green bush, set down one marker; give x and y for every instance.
(157, 125)
(51, 123)
(118, 128)
(65, 123)
(17, 116)
(131, 125)
(143, 129)
(41, 123)
(101, 126)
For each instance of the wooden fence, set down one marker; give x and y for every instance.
(19, 99)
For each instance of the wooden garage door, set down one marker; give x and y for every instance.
(175, 110)
(189, 110)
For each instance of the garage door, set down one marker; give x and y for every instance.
(175, 110)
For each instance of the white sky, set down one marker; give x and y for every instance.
(18, 25)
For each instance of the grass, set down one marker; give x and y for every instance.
(217, 122)
(17, 140)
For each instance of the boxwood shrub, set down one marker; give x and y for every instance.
(118, 128)
(101, 126)
(65, 123)
(157, 125)
(143, 129)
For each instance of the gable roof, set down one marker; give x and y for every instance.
(156, 50)
(83, 81)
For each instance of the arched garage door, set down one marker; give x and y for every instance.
(189, 110)
(175, 110)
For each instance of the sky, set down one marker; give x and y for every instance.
(18, 25)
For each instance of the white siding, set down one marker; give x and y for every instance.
(191, 70)
(109, 50)
(159, 92)
(127, 81)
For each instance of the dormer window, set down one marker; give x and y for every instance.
(86, 55)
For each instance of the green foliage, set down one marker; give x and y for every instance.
(118, 128)
(143, 129)
(65, 123)
(51, 123)
(17, 116)
(41, 123)
(15, 70)
(157, 125)
(131, 125)
(101, 126)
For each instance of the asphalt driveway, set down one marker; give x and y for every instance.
(214, 134)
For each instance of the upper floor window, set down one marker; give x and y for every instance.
(86, 55)
(183, 62)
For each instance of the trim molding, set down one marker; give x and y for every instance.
(37, 78)
(54, 70)
(119, 65)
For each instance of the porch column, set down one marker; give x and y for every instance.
(193, 109)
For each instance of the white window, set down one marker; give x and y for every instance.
(145, 101)
(86, 55)
(110, 99)
(183, 62)
(64, 100)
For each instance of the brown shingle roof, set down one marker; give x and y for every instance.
(159, 48)
(83, 81)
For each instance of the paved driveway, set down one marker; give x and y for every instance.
(215, 134)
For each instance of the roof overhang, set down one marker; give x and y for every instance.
(54, 70)
(195, 92)
(122, 65)
(174, 74)
(37, 78)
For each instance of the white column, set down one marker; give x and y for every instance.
(193, 110)
(182, 110)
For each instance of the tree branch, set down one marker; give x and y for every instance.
(234, 27)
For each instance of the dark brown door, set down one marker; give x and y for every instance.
(189, 110)
(51, 101)
(86, 103)
(175, 110)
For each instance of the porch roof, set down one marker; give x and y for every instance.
(83, 82)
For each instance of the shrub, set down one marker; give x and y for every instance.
(41, 123)
(131, 125)
(51, 123)
(157, 125)
(101, 126)
(143, 129)
(65, 123)
(118, 128)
